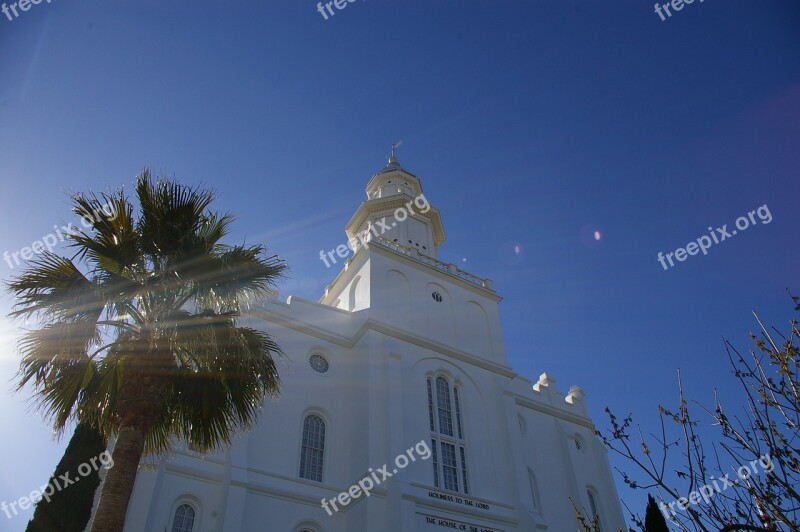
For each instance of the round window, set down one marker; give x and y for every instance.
(319, 363)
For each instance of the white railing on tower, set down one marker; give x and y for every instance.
(450, 268)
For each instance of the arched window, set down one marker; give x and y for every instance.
(534, 489)
(447, 436)
(184, 518)
(313, 448)
(594, 509)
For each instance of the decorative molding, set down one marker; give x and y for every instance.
(388, 330)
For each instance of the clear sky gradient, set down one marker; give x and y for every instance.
(533, 124)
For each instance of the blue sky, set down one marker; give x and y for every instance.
(532, 124)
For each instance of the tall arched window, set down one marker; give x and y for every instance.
(313, 448)
(184, 518)
(594, 509)
(447, 436)
(534, 488)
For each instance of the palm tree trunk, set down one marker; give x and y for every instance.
(118, 486)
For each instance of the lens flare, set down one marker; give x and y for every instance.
(590, 236)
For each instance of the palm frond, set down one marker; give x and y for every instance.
(45, 351)
(112, 245)
(223, 390)
(54, 287)
(172, 217)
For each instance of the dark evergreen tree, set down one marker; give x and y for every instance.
(654, 520)
(69, 509)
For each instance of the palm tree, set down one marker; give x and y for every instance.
(145, 344)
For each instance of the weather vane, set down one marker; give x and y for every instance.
(394, 149)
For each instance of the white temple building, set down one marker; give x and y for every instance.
(401, 363)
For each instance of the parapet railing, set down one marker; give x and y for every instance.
(450, 268)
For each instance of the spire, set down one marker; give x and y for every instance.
(394, 164)
(393, 155)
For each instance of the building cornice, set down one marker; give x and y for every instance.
(442, 270)
(372, 324)
(552, 411)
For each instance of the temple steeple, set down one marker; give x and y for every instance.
(397, 211)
